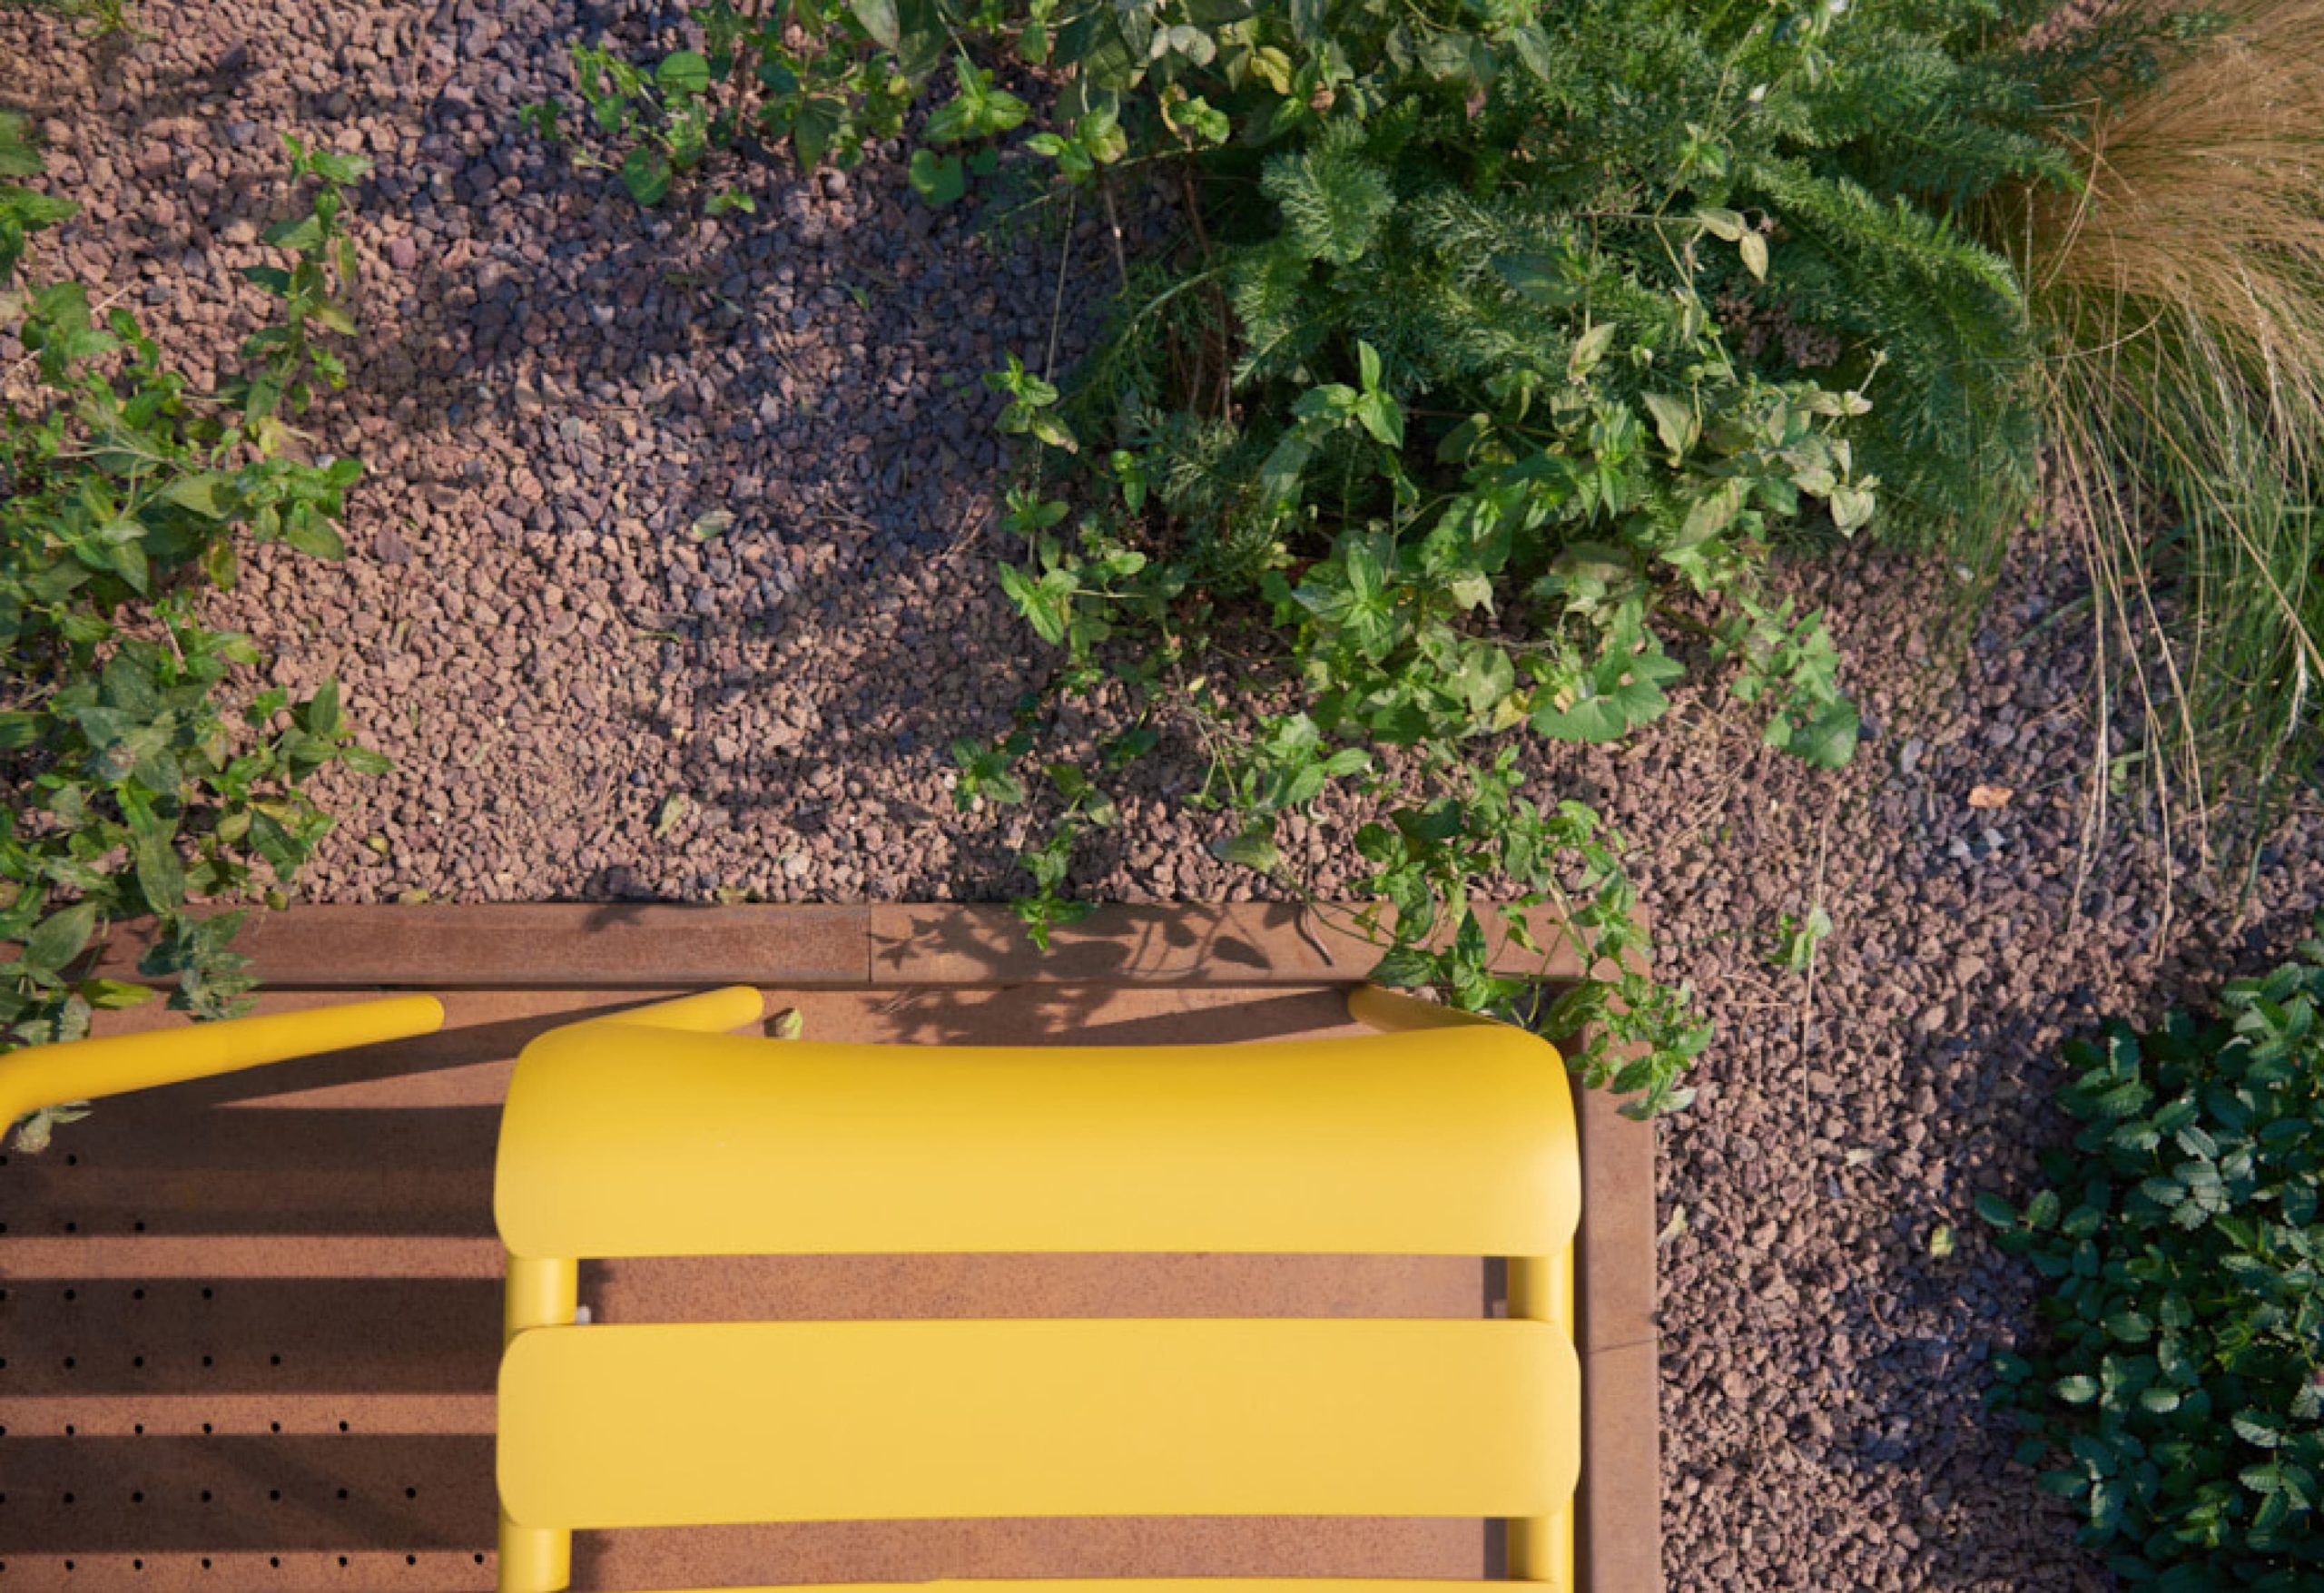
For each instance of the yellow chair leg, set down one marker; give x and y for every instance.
(542, 1291)
(1540, 1289)
(534, 1560)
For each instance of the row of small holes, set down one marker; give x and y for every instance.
(71, 1362)
(71, 1159)
(73, 1294)
(72, 1431)
(273, 1561)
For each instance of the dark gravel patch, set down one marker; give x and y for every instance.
(551, 392)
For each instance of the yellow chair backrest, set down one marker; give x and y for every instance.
(648, 1133)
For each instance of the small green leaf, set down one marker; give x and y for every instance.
(1720, 223)
(61, 937)
(113, 995)
(646, 174)
(304, 232)
(1674, 420)
(32, 1134)
(686, 72)
(817, 122)
(207, 493)
(1253, 849)
(880, 20)
(939, 179)
(1404, 968)
(2076, 1390)
(1588, 349)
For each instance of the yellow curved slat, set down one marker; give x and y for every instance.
(620, 1140)
(703, 1423)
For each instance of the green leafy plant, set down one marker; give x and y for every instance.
(147, 778)
(1462, 435)
(1797, 938)
(847, 81)
(2181, 1402)
(1501, 346)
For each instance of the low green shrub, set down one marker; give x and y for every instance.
(2182, 1402)
(146, 775)
(1502, 344)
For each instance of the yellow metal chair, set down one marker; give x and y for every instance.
(651, 1133)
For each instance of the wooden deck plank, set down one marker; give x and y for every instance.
(573, 945)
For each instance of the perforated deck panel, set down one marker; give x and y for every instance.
(249, 1328)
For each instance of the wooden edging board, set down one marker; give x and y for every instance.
(940, 945)
(656, 946)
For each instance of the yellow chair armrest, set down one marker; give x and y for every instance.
(80, 1070)
(708, 1012)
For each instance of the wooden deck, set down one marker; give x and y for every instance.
(249, 1328)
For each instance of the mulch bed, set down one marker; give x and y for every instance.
(585, 701)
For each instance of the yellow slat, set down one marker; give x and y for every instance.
(704, 1423)
(626, 1141)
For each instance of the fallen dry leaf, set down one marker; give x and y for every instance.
(1990, 796)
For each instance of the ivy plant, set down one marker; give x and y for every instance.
(2180, 1400)
(147, 777)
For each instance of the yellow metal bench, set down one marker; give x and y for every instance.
(652, 1132)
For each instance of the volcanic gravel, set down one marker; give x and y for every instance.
(586, 701)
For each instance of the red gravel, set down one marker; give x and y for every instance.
(550, 391)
